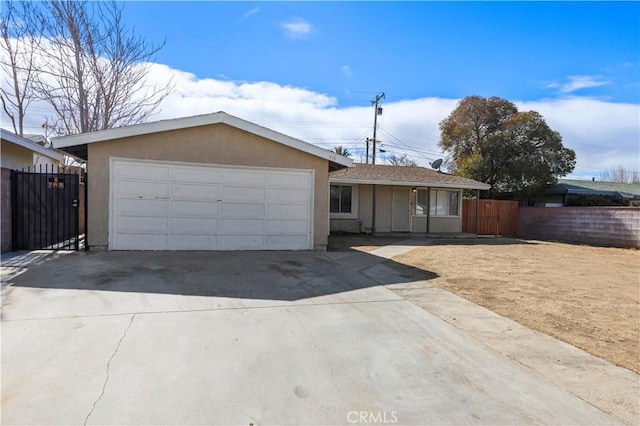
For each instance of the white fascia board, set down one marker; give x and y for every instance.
(30, 145)
(482, 186)
(196, 121)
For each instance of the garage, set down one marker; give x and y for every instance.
(204, 182)
(159, 205)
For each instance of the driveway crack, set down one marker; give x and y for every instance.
(106, 379)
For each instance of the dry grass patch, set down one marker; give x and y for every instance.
(586, 296)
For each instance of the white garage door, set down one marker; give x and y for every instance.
(181, 206)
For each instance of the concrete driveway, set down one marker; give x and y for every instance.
(250, 338)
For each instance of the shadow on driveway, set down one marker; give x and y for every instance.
(283, 275)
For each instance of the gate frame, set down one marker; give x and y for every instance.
(75, 206)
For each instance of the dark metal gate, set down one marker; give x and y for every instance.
(45, 210)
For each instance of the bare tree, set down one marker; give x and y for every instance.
(93, 71)
(401, 160)
(620, 174)
(19, 46)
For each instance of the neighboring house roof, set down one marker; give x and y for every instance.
(29, 144)
(402, 175)
(590, 187)
(195, 121)
(39, 139)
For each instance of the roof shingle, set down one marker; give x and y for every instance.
(587, 187)
(402, 175)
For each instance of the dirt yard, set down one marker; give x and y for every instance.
(586, 296)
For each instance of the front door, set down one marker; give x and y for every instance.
(401, 209)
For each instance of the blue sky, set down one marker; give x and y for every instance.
(310, 69)
(519, 51)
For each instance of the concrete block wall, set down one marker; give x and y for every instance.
(598, 226)
(5, 210)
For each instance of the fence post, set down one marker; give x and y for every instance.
(477, 210)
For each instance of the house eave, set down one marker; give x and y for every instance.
(30, 145)
(481, 186)
(197, 121)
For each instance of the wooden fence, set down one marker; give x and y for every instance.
(496, 217)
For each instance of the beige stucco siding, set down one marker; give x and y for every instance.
(384, 205)
(214, 144)
(436, 224)
(15, 156)
(384, 194)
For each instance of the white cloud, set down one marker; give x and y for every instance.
(578, 82)
(346, 70)
(603, 134)
(250, 12)
(297, 28)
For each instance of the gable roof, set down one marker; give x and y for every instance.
(8, 136)
(589, 187)
(196, 121)
(402, 175)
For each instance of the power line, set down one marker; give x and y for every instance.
(420, 152)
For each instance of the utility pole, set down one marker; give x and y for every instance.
(374, 190)
(367, 157)
(377, 112)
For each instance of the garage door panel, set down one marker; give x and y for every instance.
(241, 226)
(143, 188)
(289, 196)
(287, 226)
(243, 210)
(142, 171)
(194, 208)
(244, 177)
(141, 224)
(287, 242)
(288, 211)
(142, 241)
(177, 206)
(194, 191)
(193, 225)
(195, 174)
(140, 207)
(239, 193)
(241, 242)
(289, 180)
(194, 242)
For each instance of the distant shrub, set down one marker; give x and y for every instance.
(595, 200)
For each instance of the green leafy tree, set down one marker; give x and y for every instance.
(340, 150)
(489, 140)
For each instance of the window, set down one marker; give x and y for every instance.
(442, 202)
(340, 199)
(421, 203)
